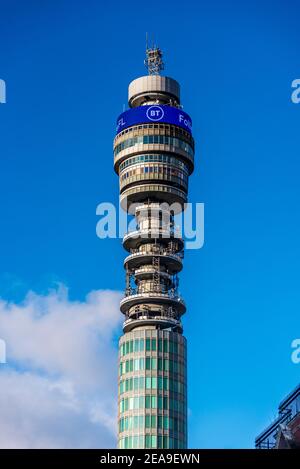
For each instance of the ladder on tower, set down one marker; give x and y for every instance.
(156, 272)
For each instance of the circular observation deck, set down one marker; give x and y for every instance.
(161, 322)
(172, 262)
(135, 239)
(155, 192)
(174, 145)
(153, 298)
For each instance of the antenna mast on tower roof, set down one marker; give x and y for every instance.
(153, 60)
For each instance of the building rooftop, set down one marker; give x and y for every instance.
(285, 430)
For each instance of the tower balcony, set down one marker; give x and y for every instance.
(155, 298)
(184, 152)
(161, 321)
(135, 239)
(155, 191)
(169, 141)
(172, 261)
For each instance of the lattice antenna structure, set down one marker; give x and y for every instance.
(153, 61)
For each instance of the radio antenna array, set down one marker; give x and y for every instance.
(153, 61)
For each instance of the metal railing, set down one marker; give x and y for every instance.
(154, 232)
(154, 251)
(144, 313)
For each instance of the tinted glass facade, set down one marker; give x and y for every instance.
(152, 390)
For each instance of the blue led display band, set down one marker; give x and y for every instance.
(154, 114)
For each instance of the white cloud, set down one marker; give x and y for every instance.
(59, 386)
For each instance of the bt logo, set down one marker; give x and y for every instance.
(155, 113)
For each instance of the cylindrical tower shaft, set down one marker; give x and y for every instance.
(153, 156)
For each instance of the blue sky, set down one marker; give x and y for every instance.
(67, 66)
